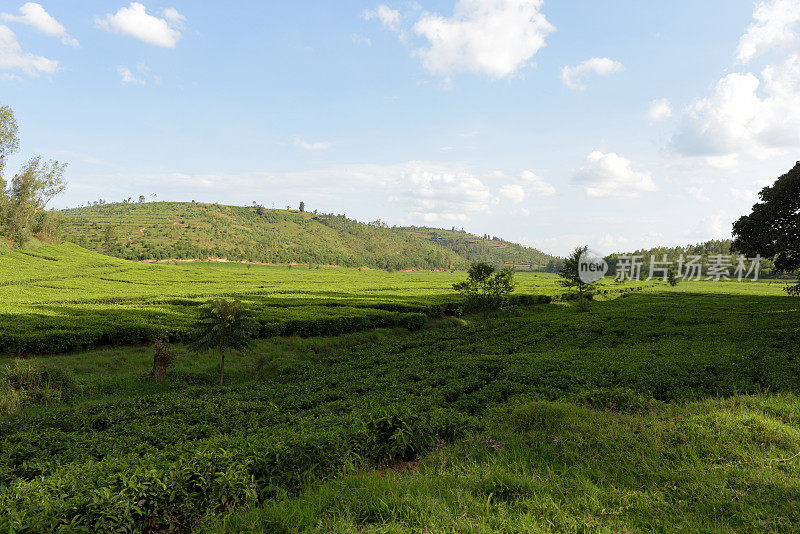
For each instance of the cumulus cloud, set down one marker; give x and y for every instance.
(493, 37)
(736, 119)
(514, 192)
(136, 22)
(35, 15)
(390, 18)
(526, 184)
(610, 175)
(12, 57)
(575, 77)
(436, 193)
(773, 25)
(747, 114)
(659, 110)
(536, 185)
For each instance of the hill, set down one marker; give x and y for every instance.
(189, 230)
(488, 248)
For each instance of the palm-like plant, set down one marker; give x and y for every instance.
(224, 326)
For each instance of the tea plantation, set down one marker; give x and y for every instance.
(368, 407)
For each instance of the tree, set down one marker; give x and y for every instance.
(571, 276)
(224, 326)
(9, 141)
(302, 207)
(485, 287)
(109, 239)
(141, 199)
(772, 229)
(25, 199)
(672, 278)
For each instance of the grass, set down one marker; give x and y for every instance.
(656, 409)
(706, 466)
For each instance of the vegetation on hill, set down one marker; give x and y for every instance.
(487, 249)
(186, 230)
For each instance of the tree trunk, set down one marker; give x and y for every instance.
(159, 371)
(222, 369)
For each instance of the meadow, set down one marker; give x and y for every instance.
(654, 409)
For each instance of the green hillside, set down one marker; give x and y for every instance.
(189, 230)
(490, 249)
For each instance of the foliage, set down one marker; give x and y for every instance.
(672, 278)
(222, 326)
(119, 460)
(486, 249)
(571, 277)
(772, 229)
(23, 384)
(486, 288)
(23, 201)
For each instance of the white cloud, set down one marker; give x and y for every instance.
(436, 193)
(136, 22)
(514, 192)
(610, 175)
(319, 145)
(390, 18)
(12, 56)
(659, 110)
(494, 37)
(698, 194)
(536, 184)
(736, 120)
(127, 76)
(772, 26)
(35, 15)
(575, 77)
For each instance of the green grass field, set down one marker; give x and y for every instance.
(655, 409)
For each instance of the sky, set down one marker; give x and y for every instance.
(618, 124)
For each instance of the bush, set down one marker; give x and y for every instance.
(22, 384)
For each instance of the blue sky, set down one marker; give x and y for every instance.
(618, 124)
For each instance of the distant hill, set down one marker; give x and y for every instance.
(488, 248)
(189, 230)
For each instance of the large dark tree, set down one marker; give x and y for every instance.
(773, 228)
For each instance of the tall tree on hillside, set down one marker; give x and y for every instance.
(23, 201)
(224, 326)
(773, 228)
(571, 276)
(302, 207)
